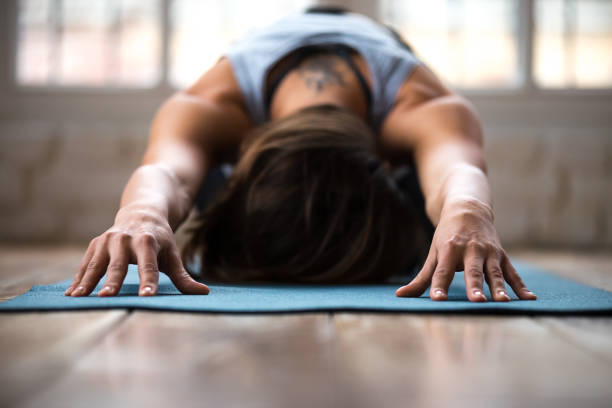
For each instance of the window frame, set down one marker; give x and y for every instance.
(526, 86)
(161, 87)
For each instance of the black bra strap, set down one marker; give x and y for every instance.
(343, 53)
(301, 54)
(296, 59)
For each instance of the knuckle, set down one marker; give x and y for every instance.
(93, 265)
(146, 239)
(116, 267)
(123, 237)
(148, 267)
(84, 262)
(118, 235)
(477, 246)
(474, 273)
(184, 275)
(516, 280)
(94, 243)
(104, 238)
(505, 258)
(443, 272)
(495, 273)
(455, 241)
(494, 250)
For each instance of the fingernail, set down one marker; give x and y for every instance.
(529, 292)
(477, 292)
(439, 292)
(503, 293)
(105, 289)
(78, 291)
(146, 290)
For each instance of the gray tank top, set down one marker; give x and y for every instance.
(388, 61)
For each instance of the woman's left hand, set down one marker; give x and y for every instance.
(465, 239)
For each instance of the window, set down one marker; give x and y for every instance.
(573, 43)
(202, 30)
(88, 43)
(101, 43)
(469, 43)
(472, 44)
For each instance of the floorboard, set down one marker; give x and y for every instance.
(593, 335)
(441, 361)
(119, 358)
(36, 349)
(191, 360)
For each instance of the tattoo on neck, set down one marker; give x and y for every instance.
(320, 71)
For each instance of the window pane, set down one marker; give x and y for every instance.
(469, 43)
(203, 29)
(573, 43)
(35, 37)
(89, 42)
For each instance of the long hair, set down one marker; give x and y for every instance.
(308, 201)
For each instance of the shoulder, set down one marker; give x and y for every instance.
(424, 109)
(219, 85)
(421, 86)
(219, 90)
(208, 113)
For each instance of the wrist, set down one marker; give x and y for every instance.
(142, 213)
(467, 205)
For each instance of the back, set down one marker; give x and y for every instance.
(388, 61)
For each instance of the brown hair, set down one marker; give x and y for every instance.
(309, 201)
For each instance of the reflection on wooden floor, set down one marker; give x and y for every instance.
(120, 358)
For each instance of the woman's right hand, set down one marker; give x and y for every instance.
(139, 236)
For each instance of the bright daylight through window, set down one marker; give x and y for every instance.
(92, 43)
(472, 44)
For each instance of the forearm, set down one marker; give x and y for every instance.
(176, 161)
(155, 191)
(463, 186)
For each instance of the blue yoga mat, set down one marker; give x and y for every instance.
(555, 296)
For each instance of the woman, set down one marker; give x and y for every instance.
(319, 112)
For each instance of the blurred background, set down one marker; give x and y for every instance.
(80, 81)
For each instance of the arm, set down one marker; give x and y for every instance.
(191, 132)
(445, 137)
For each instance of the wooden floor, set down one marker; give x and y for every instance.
(152, 359)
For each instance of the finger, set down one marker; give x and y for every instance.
(473, 272)
(117, 267)
(181, 279)
(82, 267)
(515, 281)
(94, 271)
(495, 279)
(148, 272)
(421, 282)
(444, 273)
